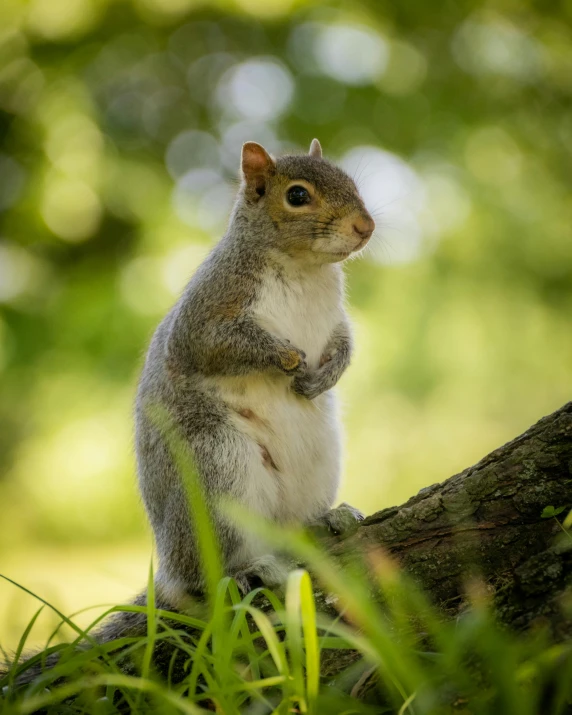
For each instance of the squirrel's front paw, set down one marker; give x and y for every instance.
(293, 361)
(307, 386)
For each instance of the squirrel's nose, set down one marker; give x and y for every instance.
(364, 226)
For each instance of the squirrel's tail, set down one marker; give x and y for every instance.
(122, 624)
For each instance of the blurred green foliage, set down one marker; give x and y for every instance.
(120, 131)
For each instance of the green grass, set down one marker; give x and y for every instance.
(264, 652)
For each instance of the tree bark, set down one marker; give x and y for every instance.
(488, 520)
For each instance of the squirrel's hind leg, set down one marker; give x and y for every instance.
(265, 570)
(235, 467)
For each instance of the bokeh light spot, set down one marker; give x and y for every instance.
(20, 272)
(448, 204)
(496, 46)
(259, 89)
(58, 19)
(71, 209)
(179, 265)
(141, 286)
(264, 8)
(167, 8)
(214, 207)
(189, 190)
(73, 145)
(352, 54)
(405, 71)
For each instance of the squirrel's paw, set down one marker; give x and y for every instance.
(307, 386)
(343, 520)
(293, 361)
(263, 571)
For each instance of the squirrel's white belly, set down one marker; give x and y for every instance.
(294, 443)
(293, 446)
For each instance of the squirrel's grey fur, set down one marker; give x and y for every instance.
(244, 365)
(246, 383)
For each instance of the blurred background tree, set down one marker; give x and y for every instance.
(120, 131)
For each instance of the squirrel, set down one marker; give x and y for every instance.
(245, 363)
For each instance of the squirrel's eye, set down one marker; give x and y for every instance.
(298, 196)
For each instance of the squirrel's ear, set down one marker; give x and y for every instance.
(315, 149)
(257, 164)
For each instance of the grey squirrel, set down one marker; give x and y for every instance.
(245, 363)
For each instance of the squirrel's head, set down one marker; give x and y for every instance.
(314, 206)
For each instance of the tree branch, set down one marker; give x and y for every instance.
(487, 521)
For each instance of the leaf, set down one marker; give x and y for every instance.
(549, 511)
